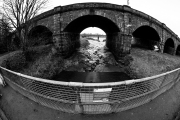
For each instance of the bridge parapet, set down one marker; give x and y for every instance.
(107, 6)
(43, 15)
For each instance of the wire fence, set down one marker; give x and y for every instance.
(91, 98)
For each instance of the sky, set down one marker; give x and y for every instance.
(166, 11)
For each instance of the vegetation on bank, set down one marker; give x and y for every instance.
(36, 61)
(40, 61)
(43, 62)
(147, 63)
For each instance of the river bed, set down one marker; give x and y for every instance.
(92, 63)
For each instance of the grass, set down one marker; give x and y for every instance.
(45, 66)
(34, 53)
(144, 63)
(148, 63)
(36, 61)
(42, 62)
(14, 61)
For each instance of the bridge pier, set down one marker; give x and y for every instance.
(66, 43)
(119, 44)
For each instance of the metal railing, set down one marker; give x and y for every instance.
(91, 98)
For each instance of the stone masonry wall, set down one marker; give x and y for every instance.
(119, 44)
(126, 18)
(66, 43)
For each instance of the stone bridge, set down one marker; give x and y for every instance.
(124, 27)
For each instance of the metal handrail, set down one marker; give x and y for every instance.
(81, 84)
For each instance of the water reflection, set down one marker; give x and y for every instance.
(91, 77)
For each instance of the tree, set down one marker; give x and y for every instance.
(4, 27)
(19, 13)
(5, 32)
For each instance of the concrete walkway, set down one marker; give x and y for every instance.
(18, 107)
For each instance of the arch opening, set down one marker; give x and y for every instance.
(93, 33)
(94, 37)
(178, 50)
(146, 37)
(92, 59)
(108, 26)
(40, 35)
(169, 46)
(79, 24)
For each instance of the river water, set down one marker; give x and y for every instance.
(92, 63)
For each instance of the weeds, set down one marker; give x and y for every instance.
(44, 63)
(14, 61)
(45, 67)
(148, 63)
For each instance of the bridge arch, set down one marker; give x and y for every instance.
(146, 37)
(169, 46)
(178, 50)
(40, 35)
(108, 26)
(86, 21)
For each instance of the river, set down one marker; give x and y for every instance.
(92, 63)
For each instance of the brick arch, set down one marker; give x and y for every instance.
(68, 17)
(40, 35)
(42, 24)
(169, 46)
(48, 26)
(85, 21)
(178, 50)
(146, 37)
(146, 24)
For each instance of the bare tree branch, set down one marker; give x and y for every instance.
(18, 12)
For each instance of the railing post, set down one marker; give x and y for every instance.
(79, 106)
